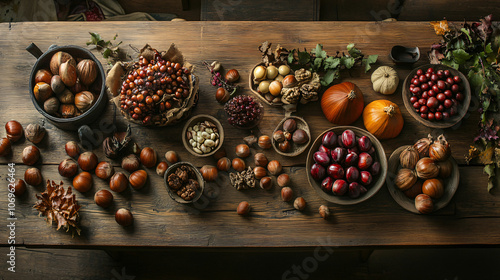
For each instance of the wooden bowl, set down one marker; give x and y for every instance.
(296, 148)
(345, 199)
(451, 184)
(200, 118)
(253, 89)
(199, 178)
(462, 107)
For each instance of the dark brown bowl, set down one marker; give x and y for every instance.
(462, 107)
(174, 195)
(296, 148)
(98, 86)
(451, 184)
(345, 199)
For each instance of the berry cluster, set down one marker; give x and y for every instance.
(243, 111)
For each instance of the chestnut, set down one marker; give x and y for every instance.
(148, 157)
(43, 75)
(31, 155)
(138, 179)
(284, 146)
(300, 137)
(264, 142)
(299, 203)
(324, 212)
(84, 100)
(242, 150)
(42, 91)
(424, 204)
(33, 176)
(274, 167)
(223, 164)
(238, 164)
(232, 75)
(290, 125)
(243, 208)
(259, 172)
(5, 147)
(289, 81)
(104, 170)
(83, 182)
(118, 182)
(19, 187)
(72, 149)
(131, 163)
(209, 173)
(286, 194)
(279, 136)
(68, 168)
(283, 180)
(222, 95)
(161, 168)
(103, 198)
(266, 183)
(124, 217)
(261, 160)
(14, 130)
(87, 161)
(171, 157)
(34, 133)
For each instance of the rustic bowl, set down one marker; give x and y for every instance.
(345, 199)
(90, 115)
(296, 149)
(253, 89)
(174, 195)
(462, 108)
(451, 184)
(404, 56)
(191, 122)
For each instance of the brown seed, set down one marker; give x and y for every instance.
(266, 183)
(324, 212)
(299, 203)
(243, 208)
(286, 194)
(283, 180)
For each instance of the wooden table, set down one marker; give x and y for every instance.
(472, 218)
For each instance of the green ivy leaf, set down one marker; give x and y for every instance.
(369, 61)
(317, 63)
(304, 58)
(331, 63)
(450, 63)
(348, 62)
(319, 52)
(290, 56)
(488, 49)
(106, 53)
(460, 56)
(353, 51)
(329, 77)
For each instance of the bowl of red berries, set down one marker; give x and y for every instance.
(346, 165)
(244, 112)
(436, 95)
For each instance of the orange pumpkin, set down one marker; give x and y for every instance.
(383, 119)
(343, 103)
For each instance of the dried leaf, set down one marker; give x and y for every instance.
(440, 27)
(486, 156)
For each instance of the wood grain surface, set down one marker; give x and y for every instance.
(472, 217)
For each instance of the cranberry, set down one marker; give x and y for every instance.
(423, 116)
(460, 97)
(430, 70)
(416, 105)
(428, 76)
(440, 108)
(440, 74)
(355, 190)
(446, 115)
(448, 93)
(457, 79)
(422, 101)
(431, 93)
(326, 184)
(438, 116)
(415, 90)
(435, 88)
(413, 99)
(447, 73)
(339, 187)
(425, 95)
(424, 109)
(422, 79)
(416, 82)
(450, 80)
(420, 72)
(329, 140)
(365, 161)
(448, 103)
(364, 144)
(351, 159)
(434, 77)
(375, 168)
(424, 87)
(441, 97)
(318, 172)
(352, 174)
(441, 85)
(432, 102)
(430, 116)
(365, 178)
(321, 158)
(430, 83)
(338, 154)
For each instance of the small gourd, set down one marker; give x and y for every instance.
(385, 80)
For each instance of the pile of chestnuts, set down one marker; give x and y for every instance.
(67, 87)
(424, 168)
(345, 164)
(289, 135)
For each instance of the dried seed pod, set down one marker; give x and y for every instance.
(422, 146)
(409, 158)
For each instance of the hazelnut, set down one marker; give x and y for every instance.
(286, 194)
(34, 133)
(14, 131)
(283, 180)
(266, 183)
(274, 167)
(87, 161)
(290, 125)
(33, 176)
(148, 157)
(300, 137)
(83, 182)
(103, 198)
(284, 146)
(171, 157)
(118, 182)
(104, 170)
(264, 142)
(261, 160)
(238, 164)
(324, 212)
(299, 203)
(68, 168)
(209, 173)
(289, 81)
(223, 164)
(5, 147)
(259, 172)
(242, 150)
(130, 163)
(243, 208)
(232, 75)
(72, 149)
(138, 179)
(124, 217)
(161, 168)
(31, 155)
(278, 136)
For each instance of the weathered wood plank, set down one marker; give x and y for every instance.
(471, 218)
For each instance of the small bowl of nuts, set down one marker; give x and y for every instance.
(184, 182)
(202, 135)
(291, 137)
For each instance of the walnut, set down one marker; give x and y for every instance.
(187, 192)
(309, 91)
(193, 184)
(59, 206)
(174, 181)
(290, 95)
(302, 75)
(182, 174)
(243, 180)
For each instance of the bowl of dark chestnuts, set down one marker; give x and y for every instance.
(291, 137)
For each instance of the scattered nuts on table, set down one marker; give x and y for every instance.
(286, 194)
(324, 212)
(299, 203)
(203, 137)
(243, 180)
(243, 208)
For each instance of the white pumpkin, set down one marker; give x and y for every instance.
(385, 80)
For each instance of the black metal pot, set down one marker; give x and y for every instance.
(99, 85)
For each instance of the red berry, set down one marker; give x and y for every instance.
(430, 70)
(420, 72)
(430, 116)
(457, 79)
